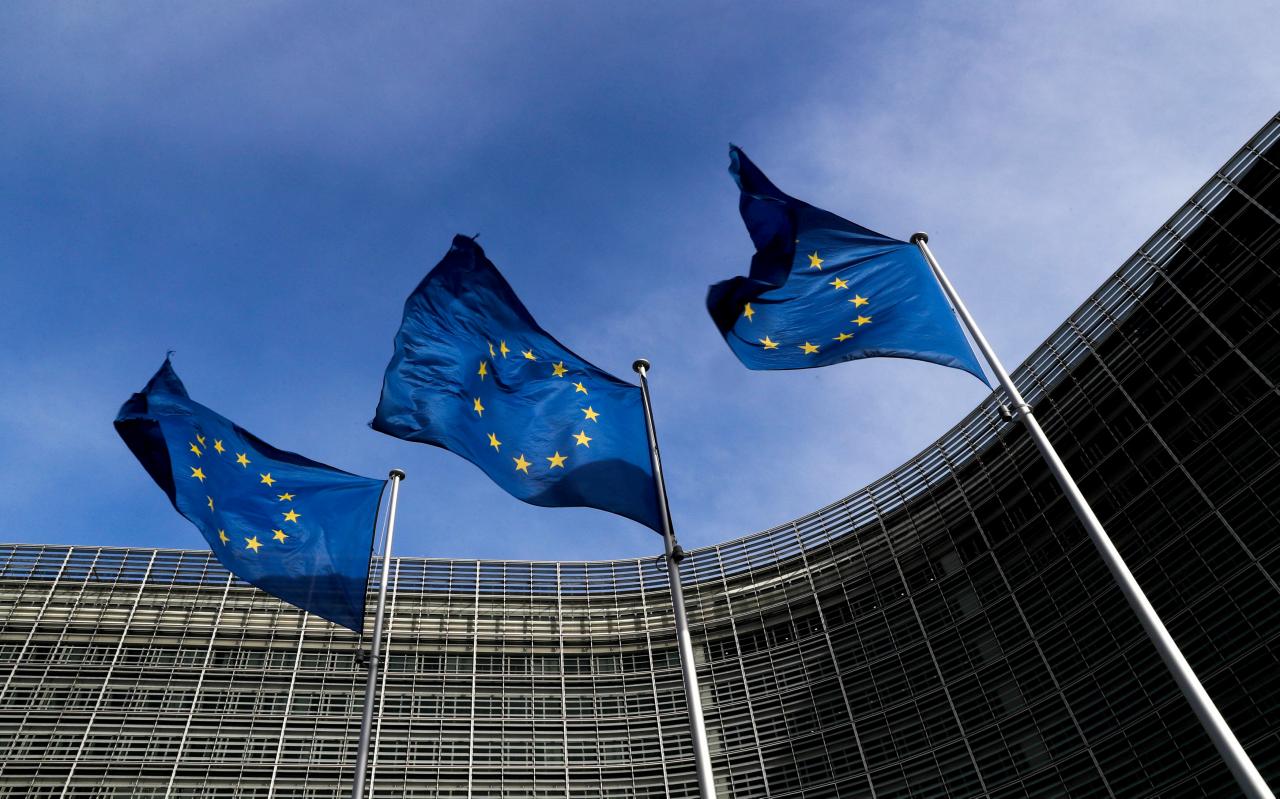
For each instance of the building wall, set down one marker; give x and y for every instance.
(947, 631)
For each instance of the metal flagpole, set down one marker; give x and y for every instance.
(1246, 774)
(366, 723)
(674, 554)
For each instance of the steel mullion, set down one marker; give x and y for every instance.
(106, 680)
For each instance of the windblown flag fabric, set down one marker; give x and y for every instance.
(472, 372)
(823, 290)
(295, 528)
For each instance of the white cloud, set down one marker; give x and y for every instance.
(1038, 144)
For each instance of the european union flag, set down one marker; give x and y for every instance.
(473, 373)
(824, 290)
(297, 529)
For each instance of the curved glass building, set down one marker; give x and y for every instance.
(946, 631)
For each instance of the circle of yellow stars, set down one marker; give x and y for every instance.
(199, 447)
(556, 460)
(808, 347)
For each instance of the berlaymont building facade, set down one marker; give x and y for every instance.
(947, 631)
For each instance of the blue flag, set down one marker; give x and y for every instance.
(824, 290)
(297, 529)
(473, 373)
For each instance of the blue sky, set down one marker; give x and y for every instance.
(259, 185)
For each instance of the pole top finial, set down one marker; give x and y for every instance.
(398, 474)
(919, 237)
(640, 366)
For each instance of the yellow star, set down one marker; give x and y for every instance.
(528, 354)
(558, 370)
(196, 450)
(840, 284)
(557, 460)
(502, 348)
(267, 479)
(242, 460)
(589, 413)
(844, 337)
(210, 502)
(769, 344)
(579, 388)
(814, 261)
(252, 543)
(477, 407)
(222, 535)
(200, 438)
(749, 312)
(491, 353)
(217, 446)
(495, 443)
(484, 370)
(197, 473)
(285, 497)
(584, 440)
(279, 535)
(863, 320)
(522, 465)
(808, 348)
(858, 301)
(292, 516)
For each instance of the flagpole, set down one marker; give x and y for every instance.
(675, 554)
(1246, 774)
(366, 723)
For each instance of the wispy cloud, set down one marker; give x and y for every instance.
(259, 185)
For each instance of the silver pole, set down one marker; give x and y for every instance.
(366, 723)
(675, 554)
(1246, 774)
